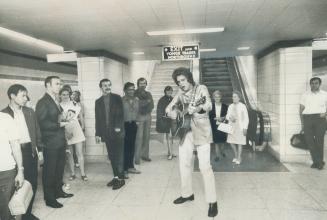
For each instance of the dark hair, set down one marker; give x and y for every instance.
(14, 89)
(68, 87)
(141, 79)
(102, 81)
(182, 71)
(49, 80)
(168, 88)
(315, 78)
(127, 85)
(78, 97)
(64, 89)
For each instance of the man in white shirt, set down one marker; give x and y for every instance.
(10, 158)
(313, 107)
(29, 137)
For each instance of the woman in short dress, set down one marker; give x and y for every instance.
(237, 115)
(74, 132)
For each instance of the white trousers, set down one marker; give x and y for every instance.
(185, 166)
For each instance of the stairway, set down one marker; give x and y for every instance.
(162, 77)
(215, 75)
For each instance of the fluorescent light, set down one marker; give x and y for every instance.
(24, 37)
(243, 48)
(186, 31)
(208, 50)
(138, 53)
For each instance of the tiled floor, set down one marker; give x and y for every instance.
(300, 194)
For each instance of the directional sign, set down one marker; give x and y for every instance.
(188, 52)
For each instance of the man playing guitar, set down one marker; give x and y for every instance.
(199, 136)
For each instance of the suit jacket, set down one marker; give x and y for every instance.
(32, 125)
(116, 118)
(48, 112)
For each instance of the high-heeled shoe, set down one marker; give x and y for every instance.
(84, 178)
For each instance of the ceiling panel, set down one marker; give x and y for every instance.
(120, 25)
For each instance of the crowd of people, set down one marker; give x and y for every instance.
(56, 130)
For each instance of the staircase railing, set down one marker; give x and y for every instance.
(259, 130)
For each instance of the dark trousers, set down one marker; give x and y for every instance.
(314, 133)
(53, 171)
(30, 173)
(115, 149)
(129, 144)
(7, 188)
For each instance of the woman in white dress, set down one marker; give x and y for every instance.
(237, 115)
(74, 132)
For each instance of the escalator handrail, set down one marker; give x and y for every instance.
(263, 119)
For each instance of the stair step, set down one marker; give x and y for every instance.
(214, 69)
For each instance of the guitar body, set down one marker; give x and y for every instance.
(183, 119)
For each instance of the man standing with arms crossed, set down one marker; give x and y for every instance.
(146, 106)
(52, 128)
(313, 108)
(198, 137)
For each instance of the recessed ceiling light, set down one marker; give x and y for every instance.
(138, 53)
(24, 37)
(208, 50)
(243, 48)
(186, 31)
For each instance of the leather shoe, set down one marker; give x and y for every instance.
(53, 204)
(64, 195)
(146, 159)
(118, 183)
(111, 183)
(181, 199)
(29, 217)
(213, 209)
(320, 166)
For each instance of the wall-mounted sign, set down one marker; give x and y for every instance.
(188, 52)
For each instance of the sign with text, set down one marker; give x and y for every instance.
(188, 52)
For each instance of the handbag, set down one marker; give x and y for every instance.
(298, 141)
(226, 128)
(21, 199)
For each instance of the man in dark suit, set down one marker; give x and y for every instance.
(30, 137)
(48, 113)
(109, 128)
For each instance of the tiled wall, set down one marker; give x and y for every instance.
(32, 79)
(283, 77)
(90, 71)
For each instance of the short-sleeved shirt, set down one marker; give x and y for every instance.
(314, 103)
(8, 132)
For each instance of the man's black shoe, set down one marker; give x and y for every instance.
(320, 166)
(64, 195)
(53, 204)
(111, 182)
(146, 159)
(213, 209)
(181, 200)
(30, 217)
(118, 184)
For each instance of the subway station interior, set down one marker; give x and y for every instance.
(266, 50)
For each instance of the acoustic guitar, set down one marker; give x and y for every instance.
(183, 119)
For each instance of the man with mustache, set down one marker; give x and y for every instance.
(109, 128)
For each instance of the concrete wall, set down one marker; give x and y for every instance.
(282, 78)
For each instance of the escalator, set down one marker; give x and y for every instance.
(223, 74)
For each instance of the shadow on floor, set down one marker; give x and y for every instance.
(252, 162)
